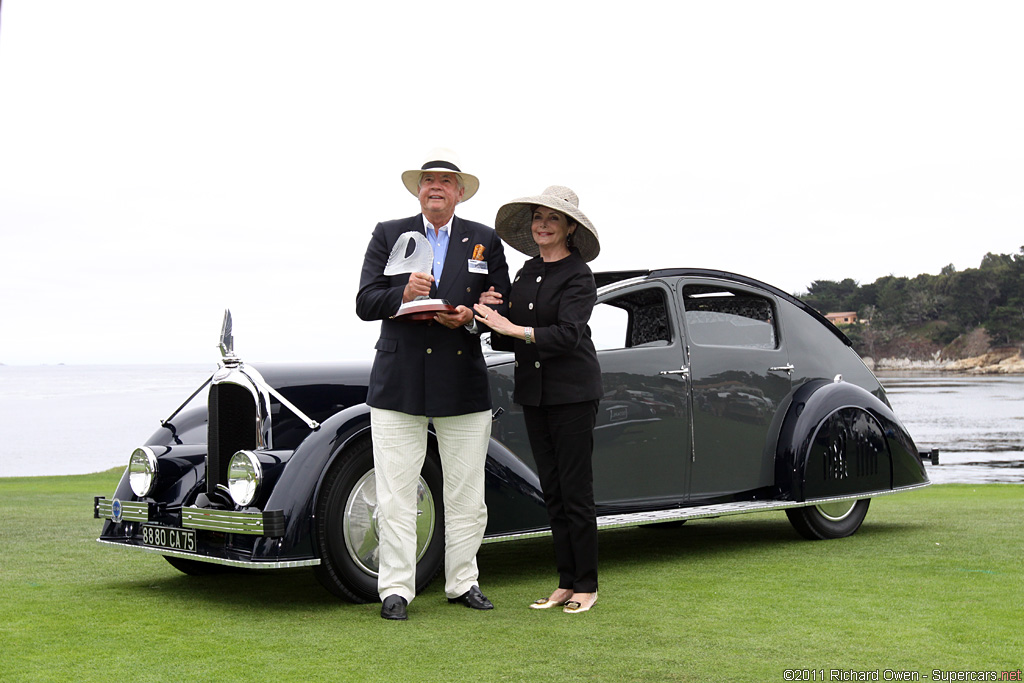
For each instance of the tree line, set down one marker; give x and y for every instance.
(928, 314)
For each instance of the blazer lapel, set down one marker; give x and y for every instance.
(457, 258)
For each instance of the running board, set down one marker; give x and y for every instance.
(700, 512)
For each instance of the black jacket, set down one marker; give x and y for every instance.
(556, 299)
(423, 368)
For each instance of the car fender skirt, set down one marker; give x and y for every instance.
(838, 439)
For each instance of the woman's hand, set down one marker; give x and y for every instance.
(494, 320)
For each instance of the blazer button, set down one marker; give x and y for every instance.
(430, 350)
(539, 278)
(536, 364)
(467, 289)
(531, 305)
(459, 352)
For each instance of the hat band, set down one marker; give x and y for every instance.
(432, 165)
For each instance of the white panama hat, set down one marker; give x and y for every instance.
(514, 220)
(441, 160)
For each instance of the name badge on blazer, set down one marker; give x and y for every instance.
(477, 266)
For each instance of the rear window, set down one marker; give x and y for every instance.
(716, 316)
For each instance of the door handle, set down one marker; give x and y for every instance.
(685, 370)
(788, 367)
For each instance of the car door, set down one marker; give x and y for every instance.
(642, 438)
(739, 377)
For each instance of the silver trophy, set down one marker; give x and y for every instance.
(402, 260)
(412, 253)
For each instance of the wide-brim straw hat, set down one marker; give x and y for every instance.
(515, 219)
(441, 160)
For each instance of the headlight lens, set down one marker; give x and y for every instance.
(142, 471)
(244, 477)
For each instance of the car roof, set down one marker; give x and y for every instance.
(612, 277)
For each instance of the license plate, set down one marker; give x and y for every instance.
(169, 537)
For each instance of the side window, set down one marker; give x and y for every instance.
(716, 316)
(608, 327)
(633, 319)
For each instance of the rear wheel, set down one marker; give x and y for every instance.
(830, 520)
(347, 536)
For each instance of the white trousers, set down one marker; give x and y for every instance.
(399, 447)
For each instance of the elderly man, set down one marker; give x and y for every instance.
(431, 371)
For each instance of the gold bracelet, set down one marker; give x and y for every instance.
(528, 333)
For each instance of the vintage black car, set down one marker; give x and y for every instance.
(723, 395)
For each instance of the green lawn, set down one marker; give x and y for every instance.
(933, 580)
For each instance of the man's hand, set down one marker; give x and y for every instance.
(460, 317)
(419, 285)
(491, 297)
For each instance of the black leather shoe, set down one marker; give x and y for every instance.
(393, 607)
(473, 598)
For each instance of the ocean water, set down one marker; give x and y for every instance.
(65, 419)
(77, 419)
(976, 422)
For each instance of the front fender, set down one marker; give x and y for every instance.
(296, 490)
(838, 439)
(514, 499)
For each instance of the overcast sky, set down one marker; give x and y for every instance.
(163, 161)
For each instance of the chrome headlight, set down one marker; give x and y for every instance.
(244, 477)
(142, 471)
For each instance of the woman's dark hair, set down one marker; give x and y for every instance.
(569, 220)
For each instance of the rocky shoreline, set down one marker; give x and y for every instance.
(998, 362)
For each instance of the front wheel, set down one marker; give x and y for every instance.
(347, 535)
(830, 520)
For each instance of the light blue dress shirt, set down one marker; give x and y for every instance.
(439, 243)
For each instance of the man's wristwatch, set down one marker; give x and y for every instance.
(528, 333)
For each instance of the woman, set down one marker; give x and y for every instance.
(558, 379)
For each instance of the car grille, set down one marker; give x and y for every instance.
(234, 426)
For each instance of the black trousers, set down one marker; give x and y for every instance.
(562, 439)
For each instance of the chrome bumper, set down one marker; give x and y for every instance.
(251, 522)
(247, 564)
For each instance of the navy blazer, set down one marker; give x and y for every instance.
(424, 368)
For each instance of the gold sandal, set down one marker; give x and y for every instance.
(576, 607)
(545, 603)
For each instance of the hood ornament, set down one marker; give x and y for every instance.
(231, 364)
(227, 341)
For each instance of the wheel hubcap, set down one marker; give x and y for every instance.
(362, 538)
(837, 511)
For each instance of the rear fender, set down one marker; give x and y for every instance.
(838, 439)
